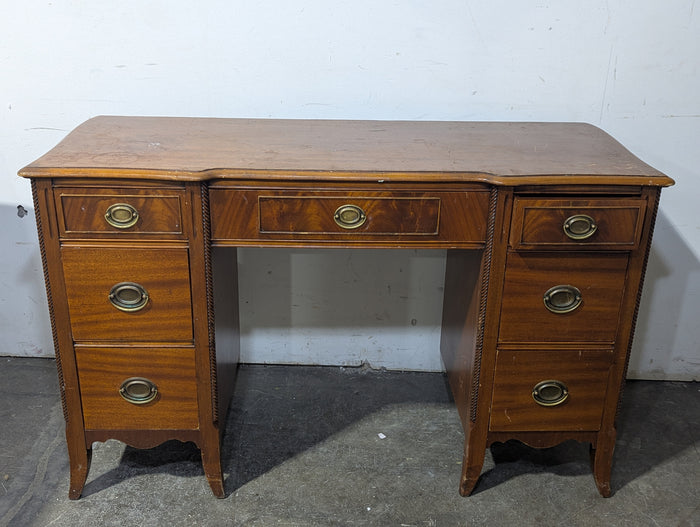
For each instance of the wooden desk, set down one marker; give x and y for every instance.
(548, 227)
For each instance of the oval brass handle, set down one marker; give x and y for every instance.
(562, 299)
(121, 215)
(138, 390)
(580, 227)
(350, 216)
(550, 393)
(128, 296)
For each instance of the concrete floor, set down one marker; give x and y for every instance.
(302, 449)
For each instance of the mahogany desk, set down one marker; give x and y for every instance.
(547, 226)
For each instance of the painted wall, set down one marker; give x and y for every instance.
(628, 67)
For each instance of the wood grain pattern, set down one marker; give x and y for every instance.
(538, 223)
(584, 371)
(203, 149)
(599, 277)
(81, 211)
(417, 218)
(315, 215)
(90, 273)
(460, 328)
(101, 371)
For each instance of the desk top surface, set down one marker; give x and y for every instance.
(194, 149)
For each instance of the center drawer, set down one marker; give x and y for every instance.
(246, 216)
(331, 215)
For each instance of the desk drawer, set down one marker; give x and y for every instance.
(570, 385)
(584, 294)
(121, 212)
(104, 288)
(613, 224)
(439, 218)
(138, 388)
(369, 215)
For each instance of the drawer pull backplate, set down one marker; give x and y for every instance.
(550, 393)
(138, 390)
(562, 299)
(580, 227)
(350, 216)
(128, 296)
(121, 215)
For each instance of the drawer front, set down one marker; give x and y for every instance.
(264, 216)
(119, 212)
(570, 385)
(325, 215)
(159, 388)
(599, 279)
(613, 224)
(103, 284)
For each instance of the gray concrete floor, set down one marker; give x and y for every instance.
(302, 449)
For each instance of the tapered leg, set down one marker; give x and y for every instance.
(473, 462)
(601, 461)
(211, 461)
(79, 458)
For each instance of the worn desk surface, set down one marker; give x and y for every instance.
(206, 148)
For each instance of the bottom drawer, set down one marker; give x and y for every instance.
(138, 388)
(571, 386)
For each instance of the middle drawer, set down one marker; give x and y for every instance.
(549, 297)
(133, 294)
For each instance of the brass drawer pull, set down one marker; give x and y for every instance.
(121, 215)
(580, 227)
(562, 299)
(350, 216)
(550, 393)
(128, 296)
(138, 390)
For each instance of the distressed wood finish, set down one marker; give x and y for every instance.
(187, 149)
(496, 195)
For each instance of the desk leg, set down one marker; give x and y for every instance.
(473, 462)
(471, 309)
(211, 461)
(218, 336)
(461, 348)
(79, 458)
(601, 461)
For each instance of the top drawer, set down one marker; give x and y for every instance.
(247, 216)
(610, 224)
(86, 212)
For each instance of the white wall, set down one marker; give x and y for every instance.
(628, 67)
